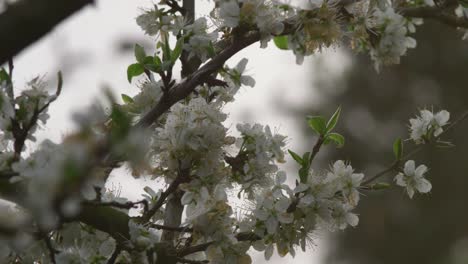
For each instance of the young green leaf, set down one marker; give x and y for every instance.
(4, 76)
(295, 156)
(134, 70)
(177, 50)
(127, 99)
(303, 173)
(317, 123)
(380, 186)
(306, 158)
(140, 53)
(333, 120)
(211, 50)
(157, 60)
(166, 51)
(337, 138)
(281, 42)
(398, 148)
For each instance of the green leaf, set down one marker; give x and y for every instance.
(303, 173)
(4, 76)
(398, 148)
(134, 70)
(211, 50)
(333, 120)
(127, 99)
(177, 50)
(152, 67)
(121, 124)
(140, 53)
(166, 51)
(166, 65)
(157, 60)
(304, 170)
(380, 186)
(281, 42)
(317, 123)
(337, 138)
(295, 156)
(306, 158)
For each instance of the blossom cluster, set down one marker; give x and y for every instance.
(190, 148)
(428, 125)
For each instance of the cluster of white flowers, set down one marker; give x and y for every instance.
(393, 40)
(264, 14)
(83, 245)
(154, 21)
(234, 79)
(200, 43)
(332, 196)
(192, 136)
(413, 178)
(142, 237)
(315, 32)
(149, 95)
(45, 172)
(288, 218)
(260, 149)
(427, 125)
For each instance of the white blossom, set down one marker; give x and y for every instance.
(428, 124)
(393, 40)
(413, 178)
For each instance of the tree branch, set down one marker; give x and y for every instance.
(436, 13)
(26, 21)
(183, 177)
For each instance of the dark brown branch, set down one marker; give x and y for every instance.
(127, 205)
(115, 254)
(26, 21)
(159, 203)
(172, 228)
(244, 236)
(445, 16)
(189, 261)
(50, 247)
(184, 89)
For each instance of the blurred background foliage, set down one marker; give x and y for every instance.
(430, 228)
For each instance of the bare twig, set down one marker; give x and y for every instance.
(127, 205)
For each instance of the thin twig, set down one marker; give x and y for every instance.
(395, 164)
(127, 205)
(52, 250)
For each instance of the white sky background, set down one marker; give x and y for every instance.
(90, 36)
